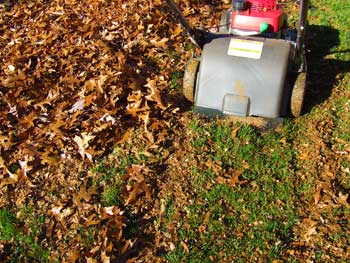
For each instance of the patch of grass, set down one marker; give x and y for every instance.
(106, 171)
(24, 236)
(169, 208)
(178, 255)
(341, 118)
(198, 142)
(112, 195)
(175, 79)
(332, 14)
(109, 172)
(343, 175)
(243, 221)
(200, 178)
(87, 236)
(8, 222)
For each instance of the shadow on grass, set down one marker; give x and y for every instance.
(323, 65)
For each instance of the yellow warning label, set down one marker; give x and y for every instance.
(245, 48)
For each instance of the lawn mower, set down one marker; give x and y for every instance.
(254, 66)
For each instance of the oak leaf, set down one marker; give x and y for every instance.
(160, 43)
(83, 144)
(12, 178)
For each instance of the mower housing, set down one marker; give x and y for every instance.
(240, 83)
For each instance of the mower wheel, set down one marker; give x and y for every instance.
(189, 80)
(298, 93)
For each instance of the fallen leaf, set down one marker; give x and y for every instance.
(11, 177)
(105, 258)
(185, 247)
(308, 227)
(317, 195)
(160, 43)
(83, 144)
(234, 132)
(203, 226)
(74, 255)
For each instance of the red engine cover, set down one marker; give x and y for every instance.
(259, 11)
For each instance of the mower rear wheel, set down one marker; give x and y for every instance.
(298, 93)
(189, 80)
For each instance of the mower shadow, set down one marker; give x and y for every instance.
(322, 71)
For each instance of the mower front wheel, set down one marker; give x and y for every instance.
(298, 94)
(189, 80)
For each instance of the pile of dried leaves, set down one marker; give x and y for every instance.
(75, 75)
(81, 78)
(75, 78)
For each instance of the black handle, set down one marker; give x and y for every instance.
(304, 6)
(180, 17)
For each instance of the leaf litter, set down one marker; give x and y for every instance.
(79, 78)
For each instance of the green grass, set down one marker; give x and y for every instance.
(107, 172)
(108, 179)
(332, 13)
(175, 79)
(87, 236)
(108, 175)
(23, 235)
(246, 221)
(111, 195)
(7, 225)
(169, 208)
(344, 174)
(341, 118)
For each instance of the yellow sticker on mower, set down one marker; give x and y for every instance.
(245, 48)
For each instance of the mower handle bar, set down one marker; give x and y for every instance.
(300, 42)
